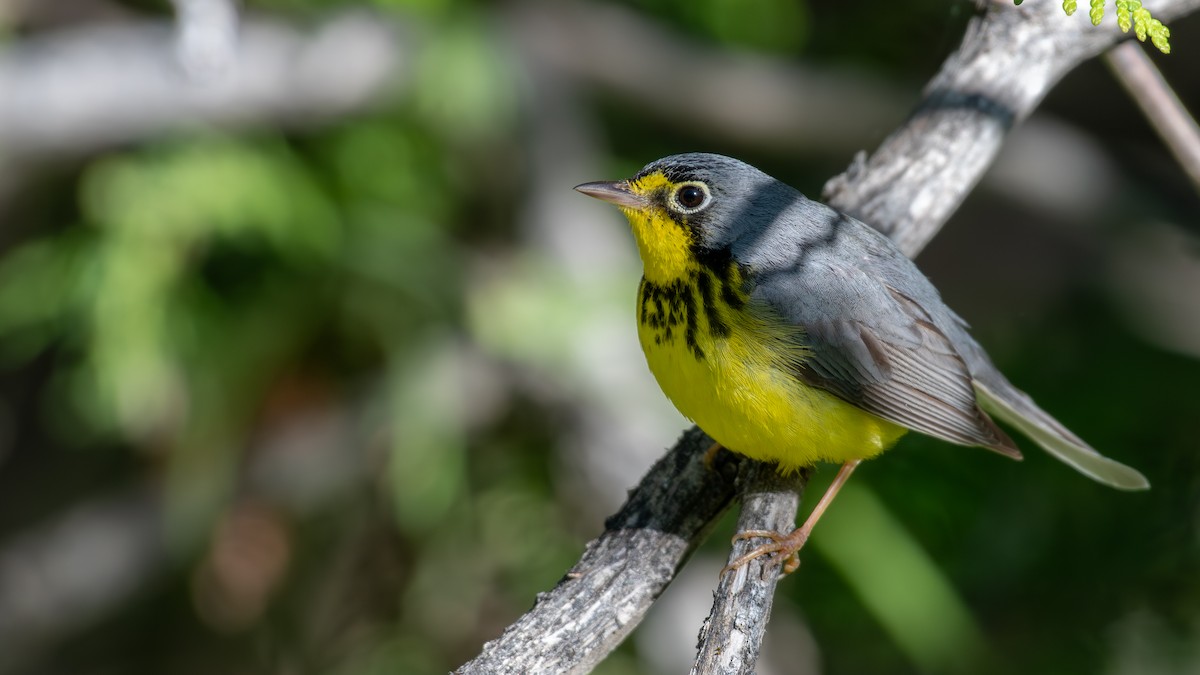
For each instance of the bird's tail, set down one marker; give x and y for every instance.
(1004, 401)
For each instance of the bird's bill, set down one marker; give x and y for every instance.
(616, 192)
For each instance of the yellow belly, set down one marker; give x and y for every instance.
(742, 393)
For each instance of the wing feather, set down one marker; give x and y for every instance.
(881, 351)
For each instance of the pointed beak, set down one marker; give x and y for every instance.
(616, 192)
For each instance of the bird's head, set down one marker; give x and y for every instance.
(683, 206)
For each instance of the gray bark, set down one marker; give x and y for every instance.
(603, 597)
(1010, 58)
(732, 634)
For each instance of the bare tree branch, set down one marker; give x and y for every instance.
(1137, 73)
(602, 598)
(1011, 56)
(732, 634)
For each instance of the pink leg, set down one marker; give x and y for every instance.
(786, 548)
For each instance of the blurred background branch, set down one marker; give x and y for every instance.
(207, 33)
(89, 88)
(1159, 103)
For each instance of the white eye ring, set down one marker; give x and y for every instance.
(677, 205)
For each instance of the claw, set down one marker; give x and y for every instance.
(710, 455)
(784, 549)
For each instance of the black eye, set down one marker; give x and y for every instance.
(691, 196)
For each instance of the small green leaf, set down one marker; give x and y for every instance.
(1097, 12)
(1141, 19)
(1158, 36)
(1069, 6)
(1124, 15)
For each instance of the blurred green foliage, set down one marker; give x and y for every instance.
(779, 26)
(343, 335)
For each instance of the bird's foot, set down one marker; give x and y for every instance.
(784, 549)
(710, 455)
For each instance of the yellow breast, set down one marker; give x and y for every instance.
(727, 369)
(733, 374)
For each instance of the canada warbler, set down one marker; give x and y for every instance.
(792, 333)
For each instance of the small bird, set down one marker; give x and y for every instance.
(793, 333)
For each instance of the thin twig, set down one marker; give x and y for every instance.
(732, 634)
(1146, 84)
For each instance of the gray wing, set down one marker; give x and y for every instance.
(875, 346)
